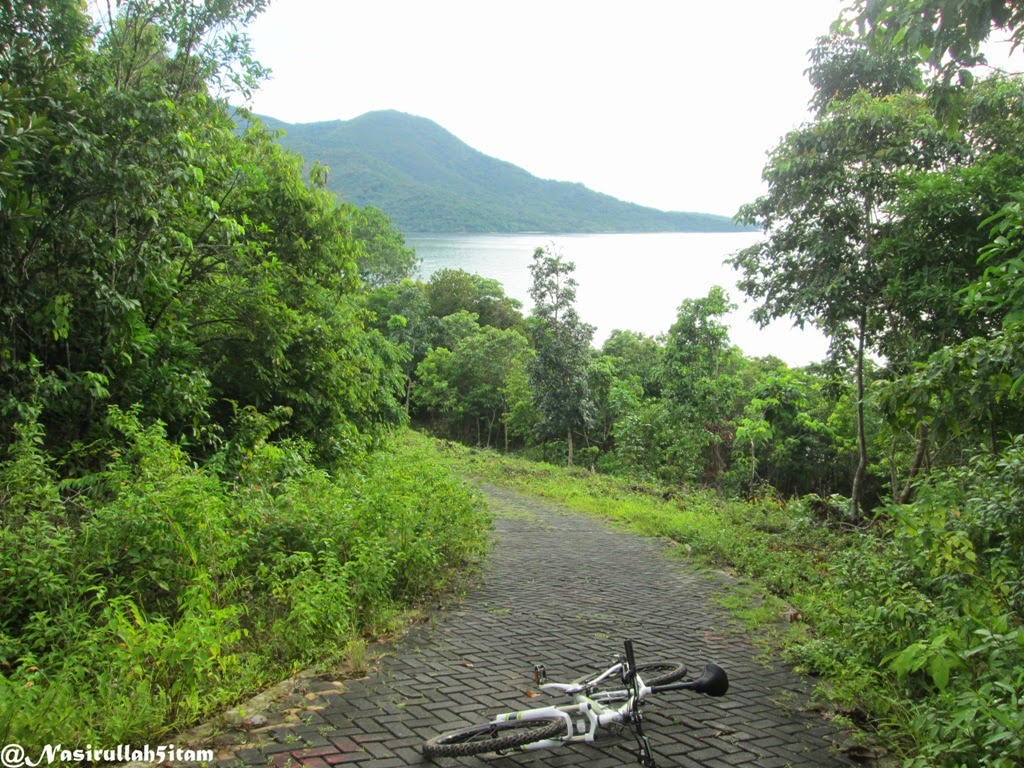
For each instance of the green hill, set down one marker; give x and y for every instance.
(427, 180)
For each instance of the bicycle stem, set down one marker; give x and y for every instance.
(630, 671)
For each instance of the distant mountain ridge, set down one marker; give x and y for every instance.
(427, 180)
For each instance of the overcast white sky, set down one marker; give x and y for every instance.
(667, 103)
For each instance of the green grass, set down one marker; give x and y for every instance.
(773, 546)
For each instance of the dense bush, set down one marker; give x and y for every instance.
(143, 596)
(923, 621)
(187, 354)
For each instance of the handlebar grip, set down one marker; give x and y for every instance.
(630, 659)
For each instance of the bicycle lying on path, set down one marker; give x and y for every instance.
(597, 703)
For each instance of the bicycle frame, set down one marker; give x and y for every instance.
(578, 722)
(586, 714)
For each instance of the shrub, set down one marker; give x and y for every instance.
(141, 597)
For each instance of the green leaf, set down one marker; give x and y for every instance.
(938, 668)
(910, 659)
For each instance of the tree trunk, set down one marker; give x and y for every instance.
(753, 467)
(922, 449)
(490, 426)
(862, 446)
(570, 446)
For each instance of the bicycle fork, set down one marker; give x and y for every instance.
(643, 752)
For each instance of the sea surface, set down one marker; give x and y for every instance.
(627, 281)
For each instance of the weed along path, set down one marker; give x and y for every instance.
(564, 590)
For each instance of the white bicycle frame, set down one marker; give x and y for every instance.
(583, 717)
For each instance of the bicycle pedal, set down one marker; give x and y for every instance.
(540, 675)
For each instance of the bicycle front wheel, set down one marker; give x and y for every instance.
(653, 673)
(493, 737)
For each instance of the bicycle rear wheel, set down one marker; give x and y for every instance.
(653, 673)
(493, 737)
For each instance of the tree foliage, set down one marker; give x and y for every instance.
(470, 385)
(843, 66)
(831, 187)
(185, 352)
(698, 387)
(384, 258)
(562, 343)
(946, 34)
(452, 290)
(151, 255)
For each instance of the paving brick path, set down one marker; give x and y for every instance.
(563, 590)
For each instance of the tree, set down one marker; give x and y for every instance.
(832, 184)
(613, 394)
(279, 321)
(697, 386)
(452, 290)
(562, 342)
(153, 255)
(468, 385)
(401, 313)
(843, 66)
(970, 389)
(384, 258)
(636, 355)
(784, 427)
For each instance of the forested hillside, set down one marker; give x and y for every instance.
(427, 180)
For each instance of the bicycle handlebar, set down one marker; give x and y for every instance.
(712, 682)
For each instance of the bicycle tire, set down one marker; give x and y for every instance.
(653, 673)
(493, 737)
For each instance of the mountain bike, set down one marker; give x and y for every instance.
(609, 699)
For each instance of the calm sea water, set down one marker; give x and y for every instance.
(627, 281)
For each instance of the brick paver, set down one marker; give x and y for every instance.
(564, 590)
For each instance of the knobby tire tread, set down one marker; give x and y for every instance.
(516, 734)
(671, 671)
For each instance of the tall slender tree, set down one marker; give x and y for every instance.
(559, 371)
(697, 386)
(832, 186)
